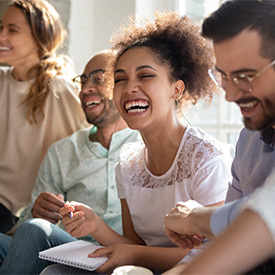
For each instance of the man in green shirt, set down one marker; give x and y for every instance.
(79, 168)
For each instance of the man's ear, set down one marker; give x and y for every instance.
(178, 89)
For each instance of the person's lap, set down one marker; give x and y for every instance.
(64, 269)
(5, 242)
(30, 238)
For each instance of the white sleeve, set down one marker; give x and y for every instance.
(211, 181)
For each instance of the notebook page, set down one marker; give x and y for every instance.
(74, 254)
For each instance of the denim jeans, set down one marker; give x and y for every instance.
(5, 242)
(31, 237)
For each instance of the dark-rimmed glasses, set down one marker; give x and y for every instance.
(96, 77)
(243, 80)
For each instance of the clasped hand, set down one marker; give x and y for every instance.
(179, 227)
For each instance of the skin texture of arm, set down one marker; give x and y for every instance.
(244, 245)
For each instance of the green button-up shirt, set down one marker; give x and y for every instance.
(83, 171)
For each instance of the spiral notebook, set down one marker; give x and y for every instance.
(74, 254)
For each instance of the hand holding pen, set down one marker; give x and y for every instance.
(78, 219)
(47, 206)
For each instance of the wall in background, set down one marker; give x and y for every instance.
(90, 24)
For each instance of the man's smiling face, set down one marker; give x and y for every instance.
(241, 54)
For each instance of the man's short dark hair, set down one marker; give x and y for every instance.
(234, 16)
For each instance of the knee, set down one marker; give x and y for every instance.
(35, 227)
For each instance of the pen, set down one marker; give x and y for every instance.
(71, 214)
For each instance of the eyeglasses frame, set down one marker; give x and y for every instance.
(235, 79)
(88, 77)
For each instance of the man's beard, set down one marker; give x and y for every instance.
(269, 116)
(261, 125)
(108, 116)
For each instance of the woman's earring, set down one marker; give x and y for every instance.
(177, 97)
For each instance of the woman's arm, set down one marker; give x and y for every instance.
(84, 221)
(127, 224)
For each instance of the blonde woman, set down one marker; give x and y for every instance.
(38, 102)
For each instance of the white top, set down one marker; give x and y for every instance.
(200, 171)
(23, 145)
(262, 202)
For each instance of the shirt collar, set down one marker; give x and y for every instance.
(268, 136)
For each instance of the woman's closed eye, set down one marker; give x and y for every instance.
(141, 76)
(12, 30)
(145, 76)
(119, 79)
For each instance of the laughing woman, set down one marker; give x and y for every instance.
(160, 66)
(38, 101)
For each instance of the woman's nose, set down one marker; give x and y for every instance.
(131, 87)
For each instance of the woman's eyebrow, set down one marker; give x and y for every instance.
(137, 69)
(145, 67)
(119, 71)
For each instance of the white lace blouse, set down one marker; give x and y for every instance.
(200, 171)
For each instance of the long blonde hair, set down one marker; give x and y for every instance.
(49, 33)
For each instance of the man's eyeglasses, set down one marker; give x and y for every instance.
(96, 77)
(243, 80)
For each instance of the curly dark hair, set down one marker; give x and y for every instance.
(176, 43)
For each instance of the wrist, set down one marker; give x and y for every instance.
(94, 226)
(200, 220)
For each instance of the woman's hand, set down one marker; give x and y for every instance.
(78, 219)
(119, 254)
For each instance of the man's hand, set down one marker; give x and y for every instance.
(47, 207)
(179, 225)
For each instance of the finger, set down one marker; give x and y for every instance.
(99, 253)
(180, 203)
(64, 211)
(68, 220)
(47, 215)
(172, 211)
(106, 268)
(176, 239)
(180, 243)
(53, 199)
(189, 243)
(75, 224)
(60, 196)
(197, 239)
